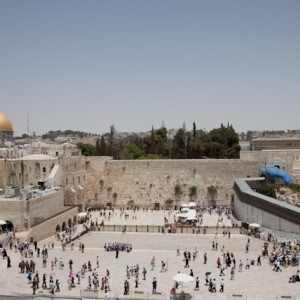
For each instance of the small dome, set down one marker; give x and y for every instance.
(5, 124)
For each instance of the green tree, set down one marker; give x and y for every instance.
(157, 143)
(132, 151)
(98, 147)
(87, 149)
(103, 147)
(178, 145)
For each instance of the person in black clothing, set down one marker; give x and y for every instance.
(197, 284)
(259, 261)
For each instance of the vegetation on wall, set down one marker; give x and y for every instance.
(268, 191)
(177, 190)
(169, 202)
(294, 187)
(193, 191)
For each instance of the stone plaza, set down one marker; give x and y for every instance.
(258, 282)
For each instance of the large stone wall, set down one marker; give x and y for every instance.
(145, 182)
(253, 207)
(27, 213)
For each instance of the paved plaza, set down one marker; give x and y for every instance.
(258, 282)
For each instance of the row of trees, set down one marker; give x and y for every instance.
(222, 142)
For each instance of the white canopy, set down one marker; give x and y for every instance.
(254, 225)
(184, 209)
(2, 222)
(82, 214)
(184, 205)
(181, 215)
(192, 204)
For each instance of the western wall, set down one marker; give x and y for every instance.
(150, 183)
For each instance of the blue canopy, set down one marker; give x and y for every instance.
(277, 173)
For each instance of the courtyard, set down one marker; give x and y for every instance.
(257, 282)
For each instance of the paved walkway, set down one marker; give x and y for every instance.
(259, 282)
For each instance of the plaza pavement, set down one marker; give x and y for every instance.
(259, 282)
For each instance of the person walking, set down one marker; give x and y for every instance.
(44, 284)
(259, 260)
(57, 284)
(222, 271)
(205, 258)
(222, 286)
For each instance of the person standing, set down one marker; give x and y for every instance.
(197, 284)
(232, 273)
(241, 266)
(187, 262)
(247, 264)
(126, 287)
(154, 285)
(117, 252)
(144, 273)
(97, 262)
(205, 258)
(8, 262)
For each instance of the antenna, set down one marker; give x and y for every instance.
(28, 131)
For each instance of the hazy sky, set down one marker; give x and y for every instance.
(85, 65)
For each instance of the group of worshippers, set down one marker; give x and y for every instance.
(118, 246)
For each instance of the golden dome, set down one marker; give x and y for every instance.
(5, 124)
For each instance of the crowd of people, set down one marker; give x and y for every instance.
(115, 246)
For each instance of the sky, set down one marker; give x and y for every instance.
(134, 64)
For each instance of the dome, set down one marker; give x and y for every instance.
(5, 124)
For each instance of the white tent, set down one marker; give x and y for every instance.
(192, 204)
(254, 225)
(181, 215)
(82, 215)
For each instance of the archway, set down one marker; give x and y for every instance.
(74, 220)
(69, 223)
(63, 226)
(57, 228)
(9, 226)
